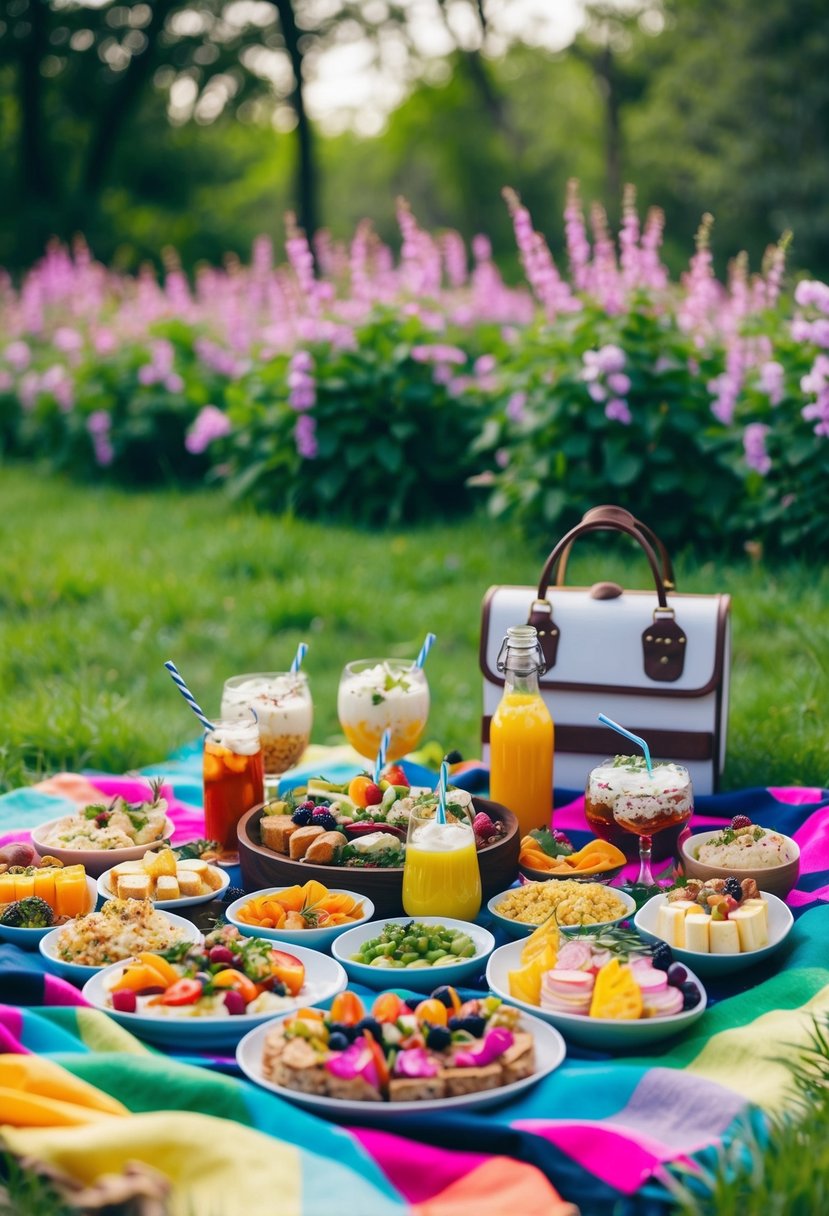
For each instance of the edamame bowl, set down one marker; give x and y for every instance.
(420, 953)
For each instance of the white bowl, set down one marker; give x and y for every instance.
(318, 939)
(418, 979)
(550, 1051)
(516, 929)
(95, 861)
(780, 925)
(598, 1033)
(30, 939)
(324, 978)
(186, 901)
(78, 973)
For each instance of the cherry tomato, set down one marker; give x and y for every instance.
(182, 992)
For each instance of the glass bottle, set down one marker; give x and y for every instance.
(521, 734)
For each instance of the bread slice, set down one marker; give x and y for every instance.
(321, 851)
(134, 886)
(302, 839)
(416, 1089)
(189, 883)
(276, 832)
(471, 1080)
(211, 878)
(298, 1066)
(352, 1089)
(166, 887)
(518, 1061)
(194, 864)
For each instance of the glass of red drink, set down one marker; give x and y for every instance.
(233, 781)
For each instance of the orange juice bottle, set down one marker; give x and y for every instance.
(521, 734)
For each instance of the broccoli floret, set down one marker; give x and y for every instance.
(29, 913)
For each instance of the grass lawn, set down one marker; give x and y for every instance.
(98, 587)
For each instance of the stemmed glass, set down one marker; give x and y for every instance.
(379, 694)
(281, 701)
(641, 801)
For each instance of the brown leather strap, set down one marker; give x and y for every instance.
(614, 513)
(603, 523)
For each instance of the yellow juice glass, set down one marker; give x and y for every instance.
(71, 894)
(441, 876)
(521, 759)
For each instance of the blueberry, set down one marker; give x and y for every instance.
(337, 1042)
(663, 956)
(372, 1026)
(438, 1038)
(690, 995)
(677, 975)
(349, 1033)
(445, 995)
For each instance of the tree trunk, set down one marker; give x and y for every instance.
(307, 201)
(34, 175)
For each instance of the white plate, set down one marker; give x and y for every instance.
(418, 979)
(324, 978)
(186, 901)
(319, 939)
(516, 929)
(94, 861)
(30, 939)
(78, 973)
(550, 1051)
(780, 926)
(598, 1033)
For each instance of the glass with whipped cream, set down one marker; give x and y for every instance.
(233, 781)
(640, 801)
(281, 701)
(441, 875)
(376, 694)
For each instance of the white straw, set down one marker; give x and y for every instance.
(428, 643)
(188, 696)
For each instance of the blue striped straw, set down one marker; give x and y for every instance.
(301, 651)
(380, 762)
(428, 643)
(633, 738)
(188, 696)
(442, 780)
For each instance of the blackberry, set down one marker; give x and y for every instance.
(372, 1026)
(232, 894)
(732, 887)
(337, 1041)
(438, 1038)
(322, 818)
(302, 816)
(690, 995)
(663, 956)
(677, 975)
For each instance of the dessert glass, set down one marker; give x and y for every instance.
(640, 802)
(379, 694)
(441, 876)
(281, 701)
(233, 781)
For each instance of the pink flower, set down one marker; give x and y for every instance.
(597, 391)
(516, 406)
(610, 358)
(619, 383)
(17, 355)
(485, 365)
(438, 354)
(754, 446)
(502, 458)
(6, 381)
(68, 340)
(305, 436)
(98, 425)
(210, 424)
(617, 410)
(771, 381)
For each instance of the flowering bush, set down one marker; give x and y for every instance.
(350, 382)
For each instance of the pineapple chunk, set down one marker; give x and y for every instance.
(160, 864)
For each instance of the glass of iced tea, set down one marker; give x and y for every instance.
(376, 694)
(281, 701)
(233, 780)
(639, 801)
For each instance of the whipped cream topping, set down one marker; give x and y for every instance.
(282, 702)
(434, 837)
(632, 792)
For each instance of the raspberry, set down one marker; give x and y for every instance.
(740, 821)
(562, 838)
(483, 826)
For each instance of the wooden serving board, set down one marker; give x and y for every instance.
(263, 867)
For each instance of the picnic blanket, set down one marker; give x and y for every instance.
(597, 1133)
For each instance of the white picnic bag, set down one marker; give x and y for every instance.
(654, 660)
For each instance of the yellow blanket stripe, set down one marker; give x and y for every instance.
(35, 1077)
(215, 1166)
(734, 1057)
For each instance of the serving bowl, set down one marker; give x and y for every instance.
(95, 861)
(601, 876)
(601, 1034)
(30, 939)
(185, 901)
(418, 979)
(324, 978)
(79, 973)
(517, 929)
(718, 965)
(777, 880)
(263, 867)
(318, 939)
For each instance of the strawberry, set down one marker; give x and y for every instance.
(483, 827)
(372, 794)
(395, 776)
(740, 821)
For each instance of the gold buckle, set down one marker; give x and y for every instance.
(660, 612)
(542, 604)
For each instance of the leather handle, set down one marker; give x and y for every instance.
(603, 523)
(614, 514)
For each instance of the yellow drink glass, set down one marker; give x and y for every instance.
(441, 876)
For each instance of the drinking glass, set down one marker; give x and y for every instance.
(233, 781)
(376, 694)
(441, 876)
(281, 701)
(640, 802)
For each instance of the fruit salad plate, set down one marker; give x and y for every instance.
(780, 922)
(550, 1051)
(600, 1034)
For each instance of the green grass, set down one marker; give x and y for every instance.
(98, 587)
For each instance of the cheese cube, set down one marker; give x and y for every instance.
(751, 928)
(671, 925)
(166, 887)
(696, 932)
(723, 937)
(758, 903)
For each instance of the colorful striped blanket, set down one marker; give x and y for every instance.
(597, 1133)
